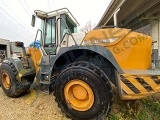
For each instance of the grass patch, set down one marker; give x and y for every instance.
(144, 109)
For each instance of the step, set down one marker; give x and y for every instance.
(47, 87)
(45, 82)
(44, 73)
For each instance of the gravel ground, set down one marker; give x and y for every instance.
(35, 105)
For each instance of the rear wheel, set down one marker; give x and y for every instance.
(83, 91)
(6, 80)
(11, 86)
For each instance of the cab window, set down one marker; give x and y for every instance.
(64, 30)
(50, 32)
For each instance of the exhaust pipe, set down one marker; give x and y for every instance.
(115, 18)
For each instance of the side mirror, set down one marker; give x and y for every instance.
(33, 20)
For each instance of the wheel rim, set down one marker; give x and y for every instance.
(6, 81)
(79, 95)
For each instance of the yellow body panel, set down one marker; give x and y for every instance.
(132, 50)
(35, 56)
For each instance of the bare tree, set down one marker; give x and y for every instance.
(88, 27)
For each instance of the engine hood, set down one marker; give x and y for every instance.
(105, 37)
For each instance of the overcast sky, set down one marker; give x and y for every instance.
(15, 15)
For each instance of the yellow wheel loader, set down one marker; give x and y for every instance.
(82, 67)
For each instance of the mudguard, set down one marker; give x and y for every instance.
(22, 72)
(97, 49)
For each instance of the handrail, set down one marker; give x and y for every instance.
(58, 11)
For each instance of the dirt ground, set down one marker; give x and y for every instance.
(35, 105)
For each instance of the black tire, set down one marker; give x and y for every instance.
(98, 82)
(16, 88)
(105, 65)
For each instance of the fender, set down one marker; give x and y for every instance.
(97, 49)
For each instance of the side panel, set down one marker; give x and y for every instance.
(132, 50)
(35, 56)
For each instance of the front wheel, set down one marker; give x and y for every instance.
(83, 91)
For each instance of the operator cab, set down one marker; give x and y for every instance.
(54, 26)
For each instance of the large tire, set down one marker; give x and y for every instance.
(105, 65)
(11, 86)
(83, 92)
